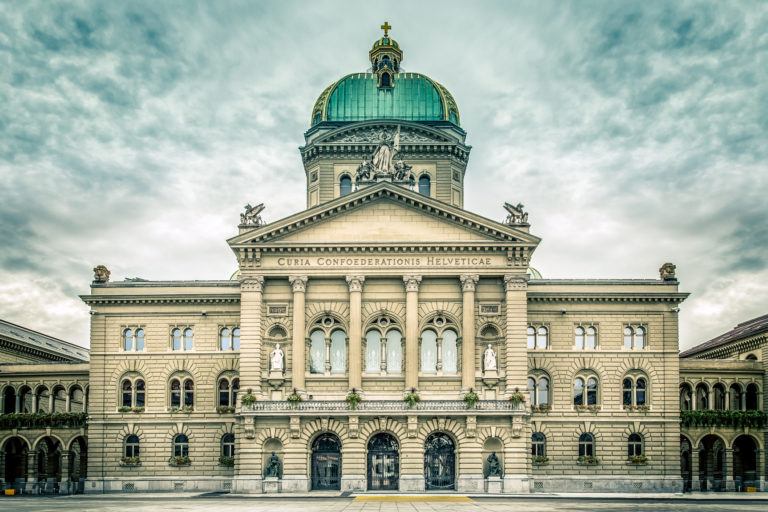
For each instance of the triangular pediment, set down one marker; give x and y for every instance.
(385, 213)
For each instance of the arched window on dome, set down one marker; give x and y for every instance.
(425, 185)
(345, 185)
(385, 80)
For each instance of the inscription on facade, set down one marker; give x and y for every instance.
(394, 261)
(277, 310)
(489, 309)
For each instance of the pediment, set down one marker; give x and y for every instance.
(378, 132)
(385, 214)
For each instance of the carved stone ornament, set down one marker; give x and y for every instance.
(252, 284)
(385, 164)
(252, 215)
(374, 135)
(413, 426)
(355, 283)
(667, 272)
(517, 426)
(471, 429)
(515, 282)
(101, 274)
(299, 283)
(516, 214)
(469, 282)
(354, 427)
(295, 427)
(412, 283)
(250, 429)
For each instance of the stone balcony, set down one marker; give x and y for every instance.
(388, 407)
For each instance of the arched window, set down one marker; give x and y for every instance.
(429, 351)
(626, 392)
(450, 357)
(578, 341)
(225, 339)
(718, 395)
(132, 446)
(639, 338)
(175, 393)
(628, 337)
(532, 390)
(586, 445)
(424, 185)
(634, 337)
(531, 332)
(345, 185)
(43, 400)
(394, 352)
(736, 397)
(180, 446)
(236, 338)
(373, 351)
(189, 393)
(188, 344)
(338, 352)
(317, 352)
(542, 388)
(592, 391)
(751, 400)
(685, 397)
(634, 445)
(633, 392)
(139, 339)
(591, 337)
(228, 445)
(128, 339)
(9, 400)
(578, 391)
(224, 393)
(541, 337)
(385, 79)
(702, 397)
(587, 385)
(133, 393)
(176, 337)
(127, 393)
(640, 387)
(538, 445)
(751, 357)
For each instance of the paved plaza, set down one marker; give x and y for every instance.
(393, 503)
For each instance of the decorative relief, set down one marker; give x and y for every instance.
(295, 427)
(471, 426)
(412, 283)
(252, 284)
(354, 426)
(299, 283)
(413, 426)
(355, 283)
(515, 282)
(384, 164)
(250, 429)
(517, 426)
(469, 282)
(377, 135)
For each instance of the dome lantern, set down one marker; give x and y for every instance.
(385, 58)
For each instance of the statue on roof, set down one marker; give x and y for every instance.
(517, 215)
(252, 215)
(667, 272)
(100, 274)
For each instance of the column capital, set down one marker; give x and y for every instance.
(252, 284)
(299, 283)
(514, 282)
(355, 283)
(469, 282)
(411, 283)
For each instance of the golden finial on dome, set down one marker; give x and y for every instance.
(385, 27)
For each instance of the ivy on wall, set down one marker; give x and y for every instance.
(43, 420)
(722, 418)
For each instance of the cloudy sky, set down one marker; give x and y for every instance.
(132, 134)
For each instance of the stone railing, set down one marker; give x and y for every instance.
(378, 406)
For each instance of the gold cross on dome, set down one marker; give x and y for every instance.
(385, 27)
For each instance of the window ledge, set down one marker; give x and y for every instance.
(583, 463)
(179, 462)
(630, 463)
(125, 464)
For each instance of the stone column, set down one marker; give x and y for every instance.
(31, 485)
(468, 284)
(299, 284)
(355, 331)
(412, 331)
(761, 468)
(516, 300)
(251, 293)
(67, 404)
(695, 476)
(728, 469)
(65, 484)
(18, 403)
(50, 402)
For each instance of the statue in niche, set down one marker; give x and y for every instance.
(276, 358)
(489, 359)
(273, 467)
(494, 466)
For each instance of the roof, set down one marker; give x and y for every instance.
(413, 97)
(43, 345)
(744, 330)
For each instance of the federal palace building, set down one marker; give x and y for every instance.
(384, 339)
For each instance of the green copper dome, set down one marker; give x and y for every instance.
(412, 97)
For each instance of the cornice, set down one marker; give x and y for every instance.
(112, 300)
(34, 352)
(674, 298)
(743, 345)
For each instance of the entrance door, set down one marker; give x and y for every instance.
(383, 463)
(439, 462)
(326, 463)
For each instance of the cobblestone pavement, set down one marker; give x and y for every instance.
(448, 503)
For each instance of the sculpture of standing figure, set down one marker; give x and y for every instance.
(489, 359)
(494, 466)
(273, 467)
(382, 158)
(276, 357)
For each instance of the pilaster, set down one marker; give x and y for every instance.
(355, 330)
(412, 330)
(251, 293)
(299, 285)
(468, 285)
(516, 301)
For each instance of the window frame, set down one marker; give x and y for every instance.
(634, 390)
(138, 332)
(535, 394)
(133, 392)
(585, 377)
(233, 335)
(538, 446)
(440, 324)
(636, 446)
(536, 336)
(587, 443)
(179, 447)
(187, 334)
(131, 449)
(183, 393)
(631, 338)
(227, 446)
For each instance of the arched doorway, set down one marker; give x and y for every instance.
(711, 458)
(383, 463)
(745, 463)
(685, 463)
(439, 462)
(326, 463)
(15, 451)
(78, 461)
(49, 464)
